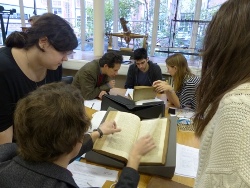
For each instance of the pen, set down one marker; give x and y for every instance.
(92, 105)
(89, 184)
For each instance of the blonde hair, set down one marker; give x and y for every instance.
(180, 62)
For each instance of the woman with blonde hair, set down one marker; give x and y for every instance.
(185, 83)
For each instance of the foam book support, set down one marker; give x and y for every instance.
(146, 111)
(166, 170)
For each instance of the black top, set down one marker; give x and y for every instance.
(143, 79)
(14, 84)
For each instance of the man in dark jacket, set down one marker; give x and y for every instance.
(50, 126)
(96, 78)
(143, 72)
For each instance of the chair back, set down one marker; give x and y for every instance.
(67, 79)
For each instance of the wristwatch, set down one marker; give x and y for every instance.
(99, 131)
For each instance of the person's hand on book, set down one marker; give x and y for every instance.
(101, 94)
(144, 145)
(161, 86)
(109, 127)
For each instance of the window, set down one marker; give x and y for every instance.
(57, 11)
(138, 13)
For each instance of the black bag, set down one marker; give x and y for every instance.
(145, 111)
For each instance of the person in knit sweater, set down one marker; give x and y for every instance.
(223, 98)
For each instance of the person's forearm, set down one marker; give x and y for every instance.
(129, 178)
(104, 87)
(133, 162)
(90, 93)
(87, 145)
(95, 135)
(172, 98)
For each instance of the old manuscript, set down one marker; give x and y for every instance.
(118, 145)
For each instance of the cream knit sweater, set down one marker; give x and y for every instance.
(224, 160)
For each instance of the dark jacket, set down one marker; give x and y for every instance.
(17, 172)
(86, 80)
(154, 73)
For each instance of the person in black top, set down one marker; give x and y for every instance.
(29, 60)
(50, 126)
(143, 72)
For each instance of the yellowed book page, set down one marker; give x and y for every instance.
(120, 143)
(143, 93)
(159, 129)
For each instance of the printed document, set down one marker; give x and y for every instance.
(86, 175)
(186, 161)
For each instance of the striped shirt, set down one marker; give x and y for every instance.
(186, 94)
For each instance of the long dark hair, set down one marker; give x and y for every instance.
(58, 31)
(226, 58)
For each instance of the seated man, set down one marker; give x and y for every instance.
(96, 77)
(50, 126)
(143, 72)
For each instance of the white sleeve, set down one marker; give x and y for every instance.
(225, 148)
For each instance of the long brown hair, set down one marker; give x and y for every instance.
(178, 60)
(226, 58)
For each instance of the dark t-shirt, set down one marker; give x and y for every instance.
(14, 84)
(143, 79)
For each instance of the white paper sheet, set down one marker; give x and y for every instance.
(126, 57)
(94, 104)
(186, 161)
(86, 175)
(148, 100)
(130, 92)
(184, 113)
(96, 120)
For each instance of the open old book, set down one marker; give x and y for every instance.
(142, 93)
(118, 145)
